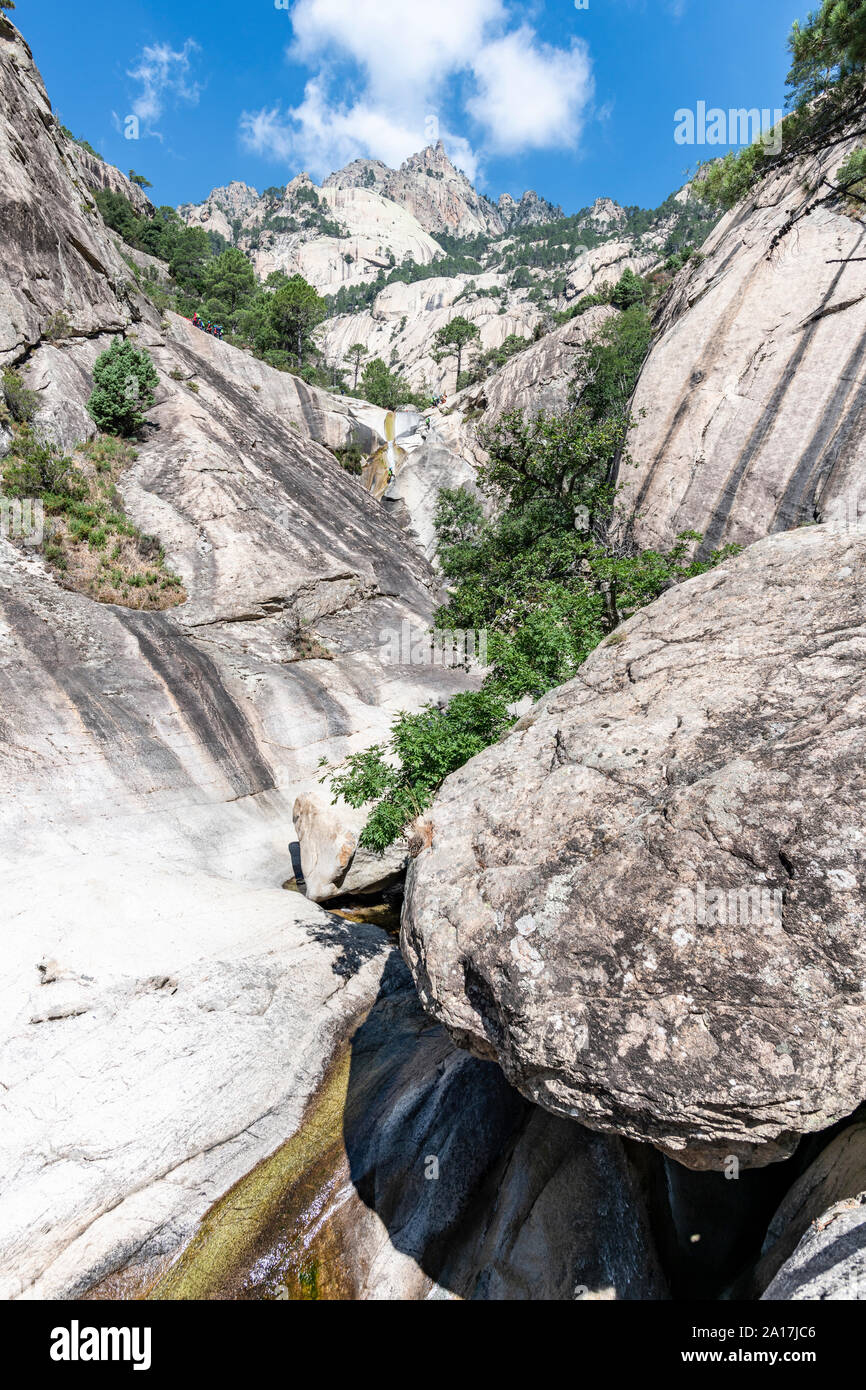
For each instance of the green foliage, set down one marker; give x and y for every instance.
(139, 179)
(851, 176)
(88, 537)
(228, 285)
(556, 244)
(293, 312)
(353, 299)
(125, 384)
(630, 290)
(380, 386)
(828, 48)
(458, 519)
(16, 399)
(562, 460)
(401, 778)
(540, 579)
(454, 338)
(354, 357)
(34, 468)
(77, 140)
(484, 363)
(187, 250)
(725, 182)
(611, 363)
(58, 326)
(351, 457)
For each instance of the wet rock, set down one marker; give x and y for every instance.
(420, 1174)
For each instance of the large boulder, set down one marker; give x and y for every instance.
(646, 901)
(750, 407)
(834, 1182)
(333, 865)
(829, 1264)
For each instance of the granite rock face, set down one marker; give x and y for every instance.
(168, 1009)
(373, 227)
(647, 900)
(750, 408)
(58, 256)
(530, 211)
(440, 197)
(100, 176)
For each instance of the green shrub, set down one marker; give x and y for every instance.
(58, 326)
(20, 401)
(428, 746)
(350, 457)
(851, 176)
(125, 384)
(35, 468)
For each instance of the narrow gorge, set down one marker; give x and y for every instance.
(587, 1021)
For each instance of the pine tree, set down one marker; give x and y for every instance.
(125, 382)
(229, 283)
(452, 339)
(295, 310)
(353, 357)
(829, 46)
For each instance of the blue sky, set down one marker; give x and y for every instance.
(573, 102)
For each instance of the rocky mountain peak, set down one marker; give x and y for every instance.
(605, 214)
(440, 196)
(531, 211)
(361, 173)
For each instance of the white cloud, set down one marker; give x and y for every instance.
(387, 71)
(402, 46)
(165, 77)
(321, 135)
(531, 95)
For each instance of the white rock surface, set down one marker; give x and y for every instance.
(750, 407)
(332, 863)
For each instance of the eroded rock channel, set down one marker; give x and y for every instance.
(617, 1052)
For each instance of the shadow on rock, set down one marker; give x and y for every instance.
(482, 1194)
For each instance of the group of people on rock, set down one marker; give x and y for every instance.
(438, 400)
(214, 328)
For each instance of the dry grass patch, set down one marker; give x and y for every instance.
(89, 541)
